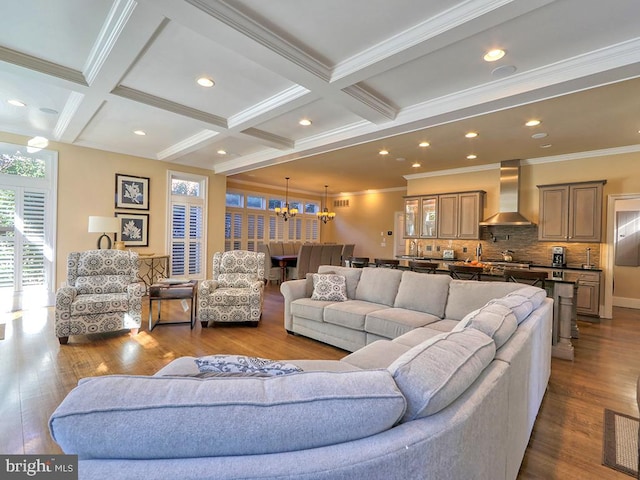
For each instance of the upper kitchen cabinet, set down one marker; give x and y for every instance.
(421, 214)
(571, 212)
(412, 217)
(459, 215)
(429, 216)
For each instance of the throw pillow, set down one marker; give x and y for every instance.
(244, 364)
(329, 287)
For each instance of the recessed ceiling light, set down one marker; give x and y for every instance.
(533, 123)
(539, 135)
(16, 103)
(400, 159)
(416, 165)
(205, 82)
(493, 55)
(140, 132)
(49, 111)
(384, 152)
(222, 152)
(423, 144)
(546, 145)
(471, 134)
(305, 122)
(471, 157)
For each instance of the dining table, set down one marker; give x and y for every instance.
(284, 261)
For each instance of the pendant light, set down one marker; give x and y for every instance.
(325, 215)
(286, 212)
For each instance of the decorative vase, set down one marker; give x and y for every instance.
(118, 245)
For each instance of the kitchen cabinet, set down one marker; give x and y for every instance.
(448, 215)
(411, 217)
(459, 215)
(571, 212)
(588, 296)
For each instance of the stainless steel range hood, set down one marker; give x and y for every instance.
(509, 213)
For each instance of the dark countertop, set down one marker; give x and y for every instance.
(567, 267)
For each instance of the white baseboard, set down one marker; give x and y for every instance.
(626, 302)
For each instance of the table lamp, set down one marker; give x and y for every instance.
(104, 225)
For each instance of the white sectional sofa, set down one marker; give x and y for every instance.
(427, 404)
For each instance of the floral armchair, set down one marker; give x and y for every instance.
(236, 292)
(102, 294)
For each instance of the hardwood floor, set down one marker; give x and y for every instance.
(36, 373)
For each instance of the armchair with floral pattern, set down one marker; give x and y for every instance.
(102, 294)
(236, 292)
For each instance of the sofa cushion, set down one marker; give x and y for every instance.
(236, 280)
(379, 285)
(519, 305)
(423, 292)
(534, 294)
(351, 276)
(495, 320)
(307, 308)
(244, 364)
(127, 417)
(433, 374)
(350, 314)
(417, 336)
(329, 287)
(393, 322)
(466, 296)
(100, 303)
(379, 354)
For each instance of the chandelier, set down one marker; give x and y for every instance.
(325, 215)
(286, 212)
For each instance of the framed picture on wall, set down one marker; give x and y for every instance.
(132, 192)
(134, 229)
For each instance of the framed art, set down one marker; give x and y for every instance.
(132, 192)
(134, 229)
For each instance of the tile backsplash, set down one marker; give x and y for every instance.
(521, 240)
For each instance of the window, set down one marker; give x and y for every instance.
(188, 225)
(251, 219)
(27, 229)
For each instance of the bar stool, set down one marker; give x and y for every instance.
(465, 272)
(359, 262)
(423, 267)
(526, 276)
(386, 263)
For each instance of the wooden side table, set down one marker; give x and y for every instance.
(186, 290)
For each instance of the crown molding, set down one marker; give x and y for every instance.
(372, 101)
(605, 152)
(259, 109)
(43, 66)
(430, 28)
(252, 29)
(118, 17)
(68, 112)
(580, 66)
(163, 104)
(453, 171)
(183, 146)
(271, 139)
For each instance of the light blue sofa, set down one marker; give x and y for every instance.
(427, 404)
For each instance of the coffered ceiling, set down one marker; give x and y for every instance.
(368, 74)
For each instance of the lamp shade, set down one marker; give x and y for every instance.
(104, 224)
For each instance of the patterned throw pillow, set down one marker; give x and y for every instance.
(329, 287)
(244, 364)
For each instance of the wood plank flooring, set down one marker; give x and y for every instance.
(36, 373)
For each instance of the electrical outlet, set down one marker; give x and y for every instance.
(464, 249)
(438, 248)
(428, 248)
